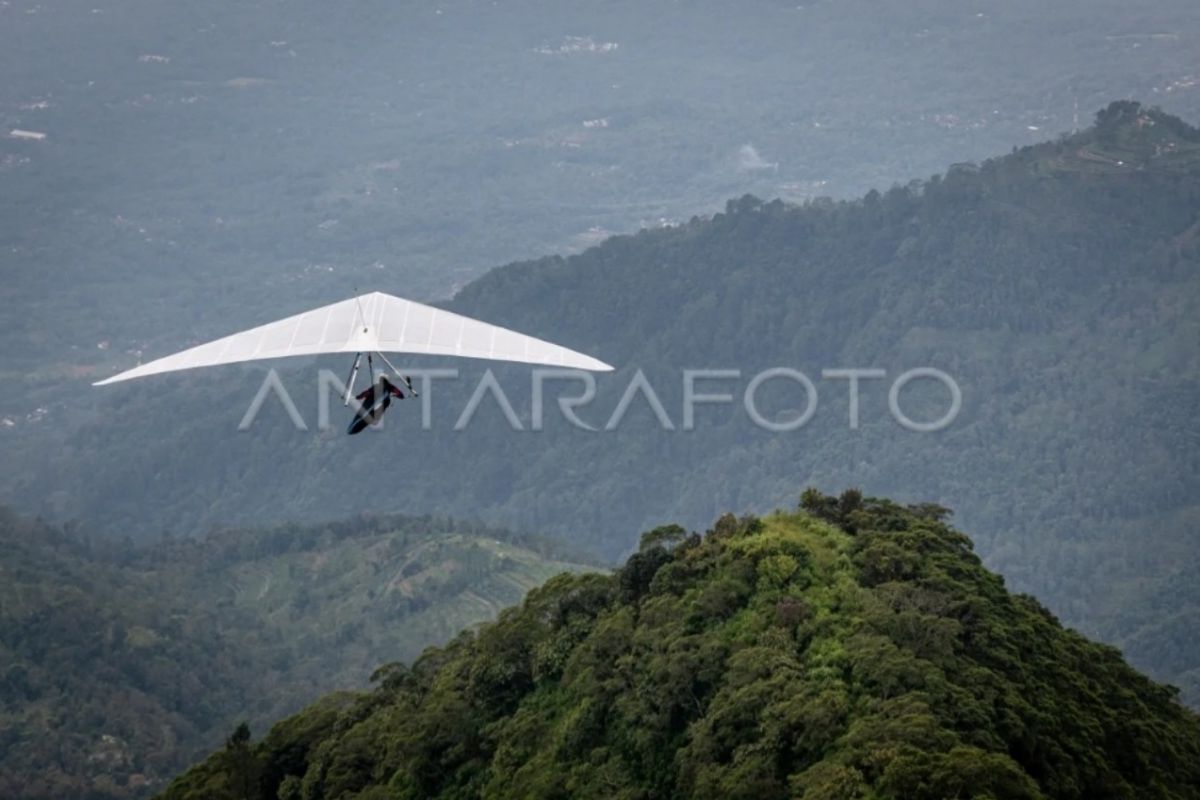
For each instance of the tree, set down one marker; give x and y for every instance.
(662, 536)
(242, 768)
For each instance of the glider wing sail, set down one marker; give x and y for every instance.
(374, 322)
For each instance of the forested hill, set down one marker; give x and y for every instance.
(857, 650)
(120, 666)
(1059, 285)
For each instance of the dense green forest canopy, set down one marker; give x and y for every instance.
(1059, 285)
(119, 665)
(856, 650)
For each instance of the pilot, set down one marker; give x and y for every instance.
(370, 412)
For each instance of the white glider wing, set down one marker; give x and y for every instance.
(374, 322)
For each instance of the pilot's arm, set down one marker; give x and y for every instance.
(393, 389)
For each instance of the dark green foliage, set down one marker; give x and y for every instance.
(664, 535)
(635, 577)
(837, 510)
(241, 766)
(783, 658)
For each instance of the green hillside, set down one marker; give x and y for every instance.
(859, 650)
(119, 666)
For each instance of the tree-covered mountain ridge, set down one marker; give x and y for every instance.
(855, 649)
(119, 666)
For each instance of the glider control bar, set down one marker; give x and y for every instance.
(353, 376)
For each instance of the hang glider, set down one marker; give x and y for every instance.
(374, 323)
(371, 323)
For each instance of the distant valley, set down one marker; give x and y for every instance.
(120, 666)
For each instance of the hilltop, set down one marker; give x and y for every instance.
(857, 649)
(119, 666)
(1127, 137)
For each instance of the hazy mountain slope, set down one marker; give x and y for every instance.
(202, 161)
(774, 658)
(120, 666)
(1058, 285)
